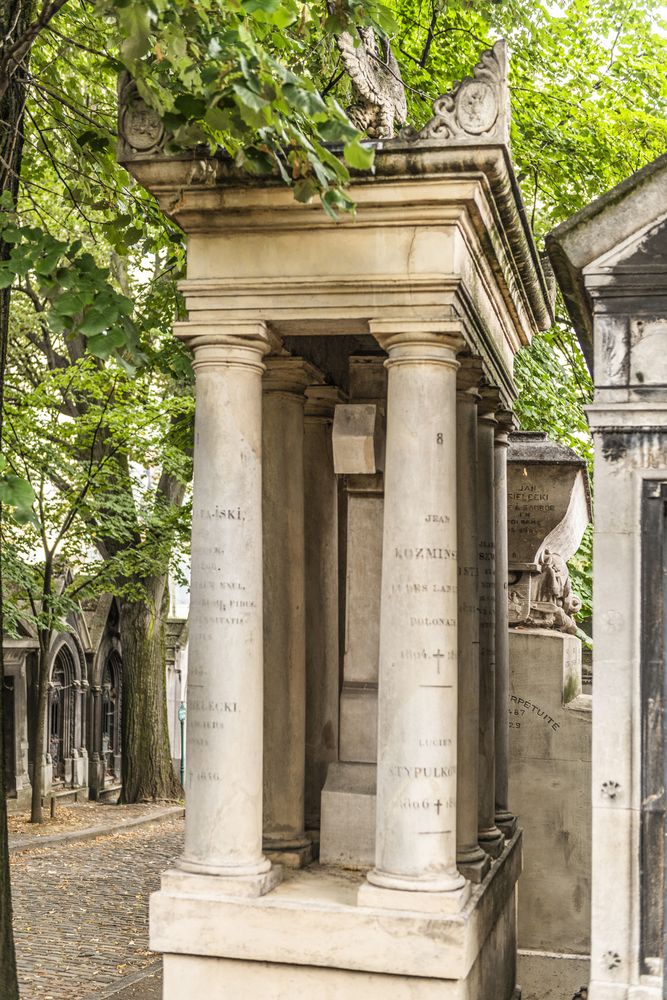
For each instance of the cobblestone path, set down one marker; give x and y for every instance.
(81, 910)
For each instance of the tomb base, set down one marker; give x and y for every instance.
(309, 937)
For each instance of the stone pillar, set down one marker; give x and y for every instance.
(473, 862)
(284, 386)
(490, 837)
(505, 821)
(95, 759)
(223, 826)
(417, 712)
(322, 611)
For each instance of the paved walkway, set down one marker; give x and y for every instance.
(81, 912)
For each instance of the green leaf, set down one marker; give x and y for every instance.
(303, 99)
(358, 156)
(305, 189)
(135, 24)
(18, 494)
(249, 98)
(94, 322)
(190, 106)
(267, 6)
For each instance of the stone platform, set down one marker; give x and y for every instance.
(308, 937)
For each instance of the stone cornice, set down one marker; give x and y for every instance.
(412, 184)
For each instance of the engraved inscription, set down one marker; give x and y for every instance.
(521, 710)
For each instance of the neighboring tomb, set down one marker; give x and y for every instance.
(610, 260)
(549, 717)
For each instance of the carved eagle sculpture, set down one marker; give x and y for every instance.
(376, 84)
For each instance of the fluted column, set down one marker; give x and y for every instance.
(417, 716)
(223, 826)
(322, 613)
(473, 862)
(490, 837)
(505, 821)
(284, 386)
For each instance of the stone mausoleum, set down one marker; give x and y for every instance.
(611, 263)
(348, 829)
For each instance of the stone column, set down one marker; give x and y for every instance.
(284, 388)
(95, 760)
(417, 712)
(505, 821)
(322, 612)
(223, 826)
(473, 862)
(490, 837)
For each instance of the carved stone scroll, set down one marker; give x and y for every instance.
(476, 110)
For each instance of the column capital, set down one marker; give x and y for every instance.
(468, 378)
(488, 405)
(321, 401)
(416, 341)
(506, 423)
(290, 375)
(223, 344)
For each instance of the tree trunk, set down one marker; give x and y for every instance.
(38, 748)
(147, 770)
(15, 16)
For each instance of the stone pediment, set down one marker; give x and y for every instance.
(644, 251)
(616, 243)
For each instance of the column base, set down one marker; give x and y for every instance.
(200, 883)
(473, 864)
(421, 901)
(506, 823)
(291, 855)
(492, 841)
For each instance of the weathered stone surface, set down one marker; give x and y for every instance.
(548, 499)
(610, 262)
(548, 511)
(358, 439)
(550, 782)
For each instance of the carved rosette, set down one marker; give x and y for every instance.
(477, 108)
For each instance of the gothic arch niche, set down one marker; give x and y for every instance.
(62, 711)
(112, 684)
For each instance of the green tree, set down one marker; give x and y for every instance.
(20, 23)
(89, 439)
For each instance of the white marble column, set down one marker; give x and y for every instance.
(322, 597)
(223, 826)
(284, 386)
(417, 712)
(490, 837)
(505, 821)
(473, 862)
